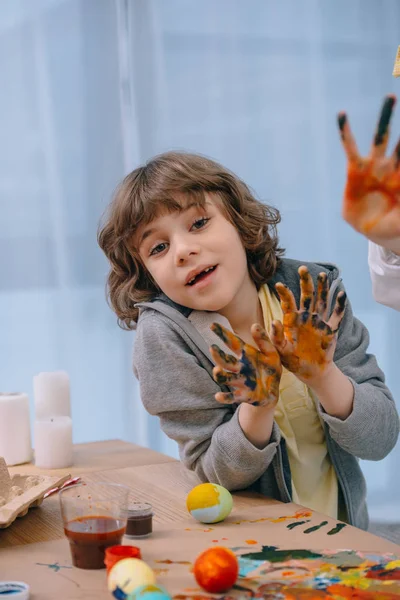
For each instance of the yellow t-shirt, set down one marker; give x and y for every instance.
(314, 481)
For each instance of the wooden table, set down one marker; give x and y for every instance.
(101, 456)
(89, 460)
(162, 481)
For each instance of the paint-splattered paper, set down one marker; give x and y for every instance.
(297, 574)
(279, 553)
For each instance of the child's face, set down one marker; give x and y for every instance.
(196, 257)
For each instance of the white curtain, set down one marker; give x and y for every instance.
(90, 88)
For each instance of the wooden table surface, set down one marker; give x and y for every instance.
(100, 456)
(162, 481)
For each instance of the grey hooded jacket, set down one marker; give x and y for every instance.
(174, 367)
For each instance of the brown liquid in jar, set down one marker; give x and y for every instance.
(140, 521)
(89, 537)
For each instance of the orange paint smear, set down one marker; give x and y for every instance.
(300, 514)
(160, 571)
(308, 346)
(361, 181)
(342, 591)
(168, 561)
(384, 575)
(251, 542)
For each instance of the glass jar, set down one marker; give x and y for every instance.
(140, 520)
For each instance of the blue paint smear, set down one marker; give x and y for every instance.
(248, 565)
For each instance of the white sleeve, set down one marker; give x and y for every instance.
(384, 268)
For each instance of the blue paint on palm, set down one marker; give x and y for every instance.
(247, 371)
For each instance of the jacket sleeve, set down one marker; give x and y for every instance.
(370, 432)
(384, 267)
(177, 389)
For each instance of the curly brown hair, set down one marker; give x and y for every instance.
(159, 186)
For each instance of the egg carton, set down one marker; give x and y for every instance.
(19, 493)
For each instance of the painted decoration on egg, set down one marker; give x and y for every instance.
(127, 575)
(209, 503)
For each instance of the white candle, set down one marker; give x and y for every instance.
(53, 442)
(52, 395)
(15, 431)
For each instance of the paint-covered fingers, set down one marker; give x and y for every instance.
(223, 360)
(239, 389)
(306, 290)
(288, 302)
(237, 397)
(325, 333)
(321, 301)
(320, 325)
(348, 141)
(223, 377)
(278, 336)
(225, 397)
(381, 138)
(338, 312)
(396, 156)
(229, 338)
(240, 395)
(262, 340)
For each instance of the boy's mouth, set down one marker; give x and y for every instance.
(201, 275)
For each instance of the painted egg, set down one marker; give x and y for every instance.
(209, 503)
(149, 592)
(127, 575)
(216, 569)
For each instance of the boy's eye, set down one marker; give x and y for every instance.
(157, 249)
(199, 223)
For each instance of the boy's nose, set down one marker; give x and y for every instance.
(184, 251)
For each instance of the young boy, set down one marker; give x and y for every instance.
(195, 262)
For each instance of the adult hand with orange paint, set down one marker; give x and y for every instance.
(306, 340)
(371, 202)
(254, 376)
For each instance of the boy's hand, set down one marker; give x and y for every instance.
(254, 376)
(371, 201)
(306, 341)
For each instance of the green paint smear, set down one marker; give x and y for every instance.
(293, 525)
(345, 559)
(336, 529)
(316, 527)
(272, 554)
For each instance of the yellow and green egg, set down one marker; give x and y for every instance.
(209, 503)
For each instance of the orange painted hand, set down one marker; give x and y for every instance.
(254, 376)
(371, 201)
(306, 340)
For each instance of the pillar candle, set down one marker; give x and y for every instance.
(15, 432)
(53, 442)
(52, 395)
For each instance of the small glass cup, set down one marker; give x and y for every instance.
(94, 517)
(140, 520)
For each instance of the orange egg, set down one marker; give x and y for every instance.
(216, 569)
